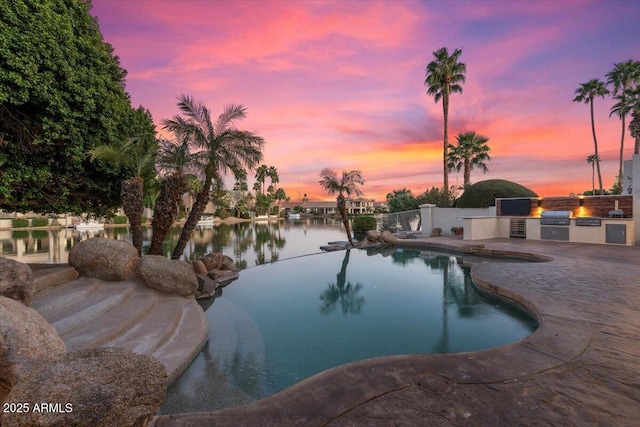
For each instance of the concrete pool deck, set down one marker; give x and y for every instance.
(581, 367)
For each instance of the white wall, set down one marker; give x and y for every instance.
(445, 218)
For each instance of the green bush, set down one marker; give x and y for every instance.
(484, 193)
(362, 224)
(222, 213)
(20, 234)
(120, 219)
(39, 222)
(39, 234)
(144, 219)
(19, 223)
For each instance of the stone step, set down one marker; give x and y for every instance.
(46, 275)
(55, 299)
(90, 313)
(76, 313)
(112, 324)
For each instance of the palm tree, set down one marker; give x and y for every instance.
(443, 77)
(261, 176)
(223, 148)
(137, 155)
(592, 160)
(620, 78)
(348, 185)
(471, 152)
(174, 157)
(634, 124)
(586, 93)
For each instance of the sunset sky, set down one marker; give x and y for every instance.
(341, 84)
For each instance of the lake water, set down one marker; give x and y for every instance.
(248, 243)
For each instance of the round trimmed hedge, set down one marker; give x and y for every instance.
(484, 193)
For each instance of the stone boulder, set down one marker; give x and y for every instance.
(218, 261)
(169, 276)
(96, 387)
(388, 238)
(199, 267)
(25, 337)
(372, 235)
(16, 281)
(105, 259)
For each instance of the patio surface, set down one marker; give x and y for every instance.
(581, 367)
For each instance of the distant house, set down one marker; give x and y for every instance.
(354, 206)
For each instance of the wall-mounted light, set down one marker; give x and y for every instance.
(581, 202)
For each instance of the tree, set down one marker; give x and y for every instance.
(61, 94)
(443, 77)
(137, 157)
(347, 184)
(261, 176)
(634, 124)
(592, 160)
(471, 152)
(586, 93)
(401, 200)
(174, 158)
(620, 78)
(223, 149)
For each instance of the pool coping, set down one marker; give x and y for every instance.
(563, 335)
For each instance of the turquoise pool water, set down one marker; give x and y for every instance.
(283, 322)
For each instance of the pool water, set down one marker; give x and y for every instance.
(283, 322)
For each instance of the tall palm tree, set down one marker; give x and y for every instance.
(634, 124)
(586, 93)
(443, 77)
(620, 78)
(174, 157)
(347, 184)
(261, 176)
(223, 149)
(592, 160)
(137, 155)
(472, 151)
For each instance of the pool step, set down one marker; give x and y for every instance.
(90, 313)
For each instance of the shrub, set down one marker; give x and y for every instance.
(19, 222)
(39, 222)
(484, 193)
(39, 234)
(222, 213)
(362, 224)
(120, 219)
(144, 219)
(20, 234)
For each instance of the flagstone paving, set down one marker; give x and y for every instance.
(581, 367)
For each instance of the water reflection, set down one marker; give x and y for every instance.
(346, 293)
(248, 243)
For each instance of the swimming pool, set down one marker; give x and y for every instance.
(283, 322)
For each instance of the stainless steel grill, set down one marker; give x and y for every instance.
(555, 217)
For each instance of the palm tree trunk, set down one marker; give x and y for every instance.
(166, 210)
(445, 148)
(621, 154)
(467, 172)
(342, 209)
(595, 144)
(132, 194)
(593, 179)
(202, 198)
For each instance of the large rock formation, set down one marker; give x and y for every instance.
(167, 275)
(217, 261)
(96, 387)
(102, 258)
(16, 281)
(24, 337)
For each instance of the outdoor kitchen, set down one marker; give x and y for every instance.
(581, 219)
